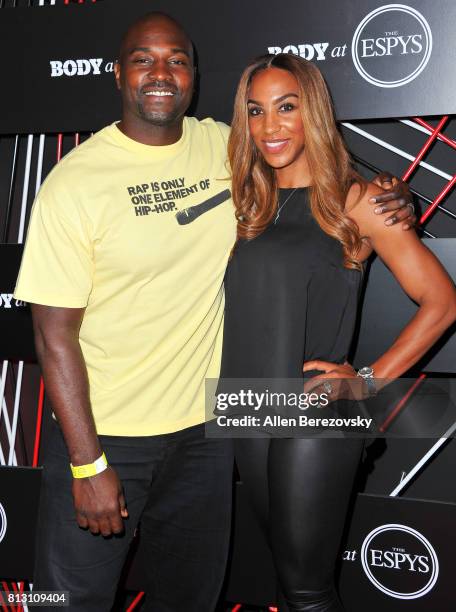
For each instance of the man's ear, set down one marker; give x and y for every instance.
(117, 71)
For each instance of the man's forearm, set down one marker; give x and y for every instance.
(66, 382)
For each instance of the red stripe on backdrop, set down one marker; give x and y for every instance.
(59, 146)
(7, 591)
(21, 590)
(135, 602)
(39, 421)
(400, 405)
(19, 607)
(425, 147)
(445, 191)
(441, 137)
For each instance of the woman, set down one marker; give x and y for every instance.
(304, 230)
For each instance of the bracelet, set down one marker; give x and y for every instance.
(90, 469)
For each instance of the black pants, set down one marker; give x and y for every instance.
(300, 490)
(179, 486)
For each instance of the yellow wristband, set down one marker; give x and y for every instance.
(91, 469)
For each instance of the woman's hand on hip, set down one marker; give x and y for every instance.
(338, 381)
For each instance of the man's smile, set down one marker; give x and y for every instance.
(159, 93)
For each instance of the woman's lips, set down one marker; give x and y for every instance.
(275, 146)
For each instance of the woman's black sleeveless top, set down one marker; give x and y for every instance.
(288, 297)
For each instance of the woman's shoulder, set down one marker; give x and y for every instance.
(359, 206)
(359, 195)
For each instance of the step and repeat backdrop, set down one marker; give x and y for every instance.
(381, 61)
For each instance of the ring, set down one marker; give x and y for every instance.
(327, 387)
(412, 207)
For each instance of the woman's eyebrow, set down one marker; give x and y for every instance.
(276, 100)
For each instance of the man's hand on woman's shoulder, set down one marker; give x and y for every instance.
(397, 198)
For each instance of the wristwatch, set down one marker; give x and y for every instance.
(368, 374)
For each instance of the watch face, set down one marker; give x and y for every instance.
(366, 372)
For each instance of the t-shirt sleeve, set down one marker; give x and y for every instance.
(57, 264)
(225, 130)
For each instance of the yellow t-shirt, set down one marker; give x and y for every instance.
(111, 231)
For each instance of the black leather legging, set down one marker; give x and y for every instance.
(300, 490)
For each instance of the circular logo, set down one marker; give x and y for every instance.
(392, 45)
(399, 561)
(3, 522)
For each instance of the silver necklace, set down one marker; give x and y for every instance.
(280, 207)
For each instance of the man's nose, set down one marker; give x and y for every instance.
(159, 71)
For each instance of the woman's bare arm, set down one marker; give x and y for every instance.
(421, 276)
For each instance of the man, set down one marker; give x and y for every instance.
(124, 265)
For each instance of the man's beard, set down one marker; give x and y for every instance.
(159, 118)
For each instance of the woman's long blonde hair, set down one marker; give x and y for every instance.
(254, 184)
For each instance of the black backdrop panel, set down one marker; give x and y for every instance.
(379, 60)
(397, 559)
(387, 309)
(393, 559)
(19, 499)
(16, 330)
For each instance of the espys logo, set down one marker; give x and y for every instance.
(399, 561)
(392, 45)
(3, 522)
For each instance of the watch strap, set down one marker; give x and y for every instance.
(370, 384)
(367, 374)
